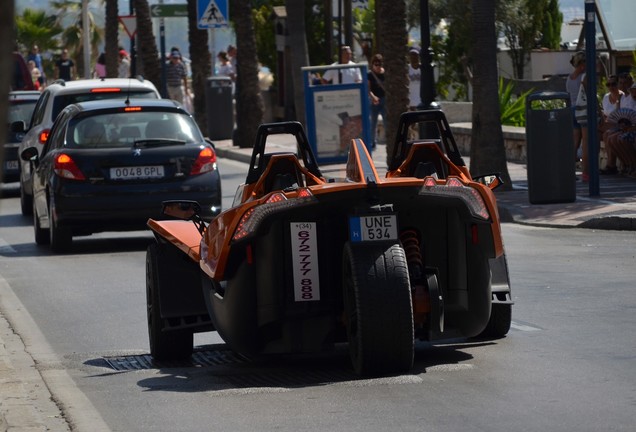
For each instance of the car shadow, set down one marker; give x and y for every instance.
(15, 220)
(216, 368)
(9, 190)
(81, 246)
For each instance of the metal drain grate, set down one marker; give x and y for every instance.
(204, 358)
(273, 373)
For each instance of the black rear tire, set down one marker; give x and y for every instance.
(59, 237)
(164, 345)
(41, 234)
(499, 322)
(26, 202)
(378, 308)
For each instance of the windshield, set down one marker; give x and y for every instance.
(62, 101)
(123, 129)
(21, 110)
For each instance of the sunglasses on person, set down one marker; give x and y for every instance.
(612, 84)
(377, 63)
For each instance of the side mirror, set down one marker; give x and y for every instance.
(18, 126)
(492, 181)
(186, 210)
(29, 154)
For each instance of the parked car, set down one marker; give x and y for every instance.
(21, 105)
(108, 165)
(301, 262)
(55, 98)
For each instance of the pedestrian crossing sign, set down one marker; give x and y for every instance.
(212, 13)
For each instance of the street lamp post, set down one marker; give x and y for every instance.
(427, 83)
(590, 70)
(86, 40)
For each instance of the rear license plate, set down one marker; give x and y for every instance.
(137, 172)
(11, 165)
(304, 245)
(373, 228)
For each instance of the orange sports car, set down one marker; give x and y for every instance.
(301, 262)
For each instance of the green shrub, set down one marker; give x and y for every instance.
(511, 106)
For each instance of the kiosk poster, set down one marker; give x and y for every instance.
(338, 117)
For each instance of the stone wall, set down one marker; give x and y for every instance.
(514, 140)
(459, 115)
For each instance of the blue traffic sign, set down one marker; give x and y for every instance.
(212, 13)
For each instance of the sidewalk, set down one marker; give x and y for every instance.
(614, 209)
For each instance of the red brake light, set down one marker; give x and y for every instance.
(65, 167)
(277, 197)
(106, 90)
(128, 109)
(429, 182)
(43, 136)
(206, 161)
(304, 193)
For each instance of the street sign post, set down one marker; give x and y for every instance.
(169, 10)
(212, 13)
(130, 24)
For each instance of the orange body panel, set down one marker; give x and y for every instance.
(182, 234)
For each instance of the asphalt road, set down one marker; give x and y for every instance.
(567, 363)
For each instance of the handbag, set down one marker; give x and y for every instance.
(580, 107)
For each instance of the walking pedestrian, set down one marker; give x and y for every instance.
(65, 67)
(176, 78)
(376, 95)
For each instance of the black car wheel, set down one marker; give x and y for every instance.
(26, 202)
(378, 308)
(59, 237)
(499, 322)
(41, 234)
(164, 345)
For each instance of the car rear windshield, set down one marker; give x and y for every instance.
(125, 129)
(62, 101)
(21, 110)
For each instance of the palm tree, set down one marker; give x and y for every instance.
(112, 37)
(299, 53)
(249, 103)
(38, 28)
(35, 27)
(71, 11)
(201, 64)
(391, 23)
(487, 151)
(150, 66)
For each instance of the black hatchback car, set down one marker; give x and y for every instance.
(108, 165)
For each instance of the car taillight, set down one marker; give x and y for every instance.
(453, 187)
(206, 161)
(65, 167)
(43, 136)
(277, 202)
(106, 90)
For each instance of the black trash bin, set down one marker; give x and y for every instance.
(550, 148)
(219, 107)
